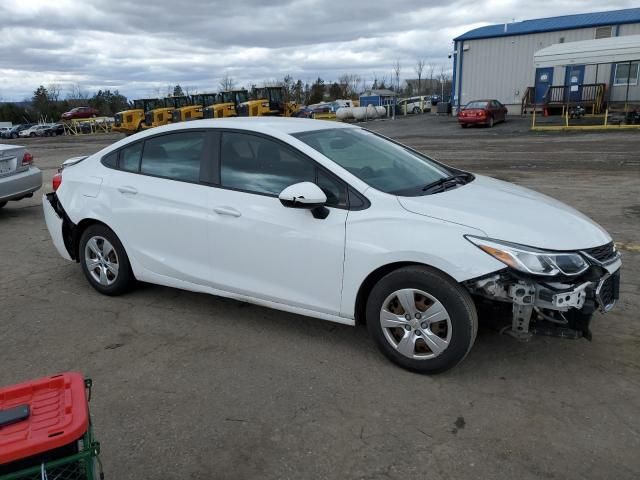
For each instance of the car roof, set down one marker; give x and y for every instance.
(256, 124)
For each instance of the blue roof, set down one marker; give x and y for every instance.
(566, 22)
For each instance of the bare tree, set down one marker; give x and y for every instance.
(190, 90)
(431, 68)
(444, 79)
(419, 67)
(53, 90)
(77, 95)
(396, 73)
(226, 83)
(350, 84)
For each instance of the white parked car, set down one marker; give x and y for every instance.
(335, 222)
(35, 131)
(415, 104)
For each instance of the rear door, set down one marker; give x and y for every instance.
(259, 247)
(159, 204)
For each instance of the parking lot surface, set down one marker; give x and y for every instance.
(194, 386)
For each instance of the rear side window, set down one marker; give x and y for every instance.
(130, 157)
(175, 156)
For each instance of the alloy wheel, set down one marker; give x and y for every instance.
(101, 260)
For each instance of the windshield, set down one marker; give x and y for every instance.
(242, 96)
(476, 105)
(386, 166)
(227, 97)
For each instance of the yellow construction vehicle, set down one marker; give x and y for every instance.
(161, 115)
(195, 110)
(226, 104)
(132, 120)
(267, 101)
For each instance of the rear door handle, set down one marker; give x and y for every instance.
(129, 190)
(230, 211)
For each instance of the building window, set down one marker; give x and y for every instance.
(604, 32)
(626, 74)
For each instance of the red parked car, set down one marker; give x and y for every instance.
(80, 112)
(482, 112)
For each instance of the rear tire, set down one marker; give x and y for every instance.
(2, 204)
(491, 122)
(463, 125)
(104, 261)
(430, 321)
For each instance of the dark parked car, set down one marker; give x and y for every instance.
(482, 112)
(311, 110)
(53, 130)
(14, 131)
(80, 112)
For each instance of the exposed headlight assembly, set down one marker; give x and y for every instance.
(531, 260)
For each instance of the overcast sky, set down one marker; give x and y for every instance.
(139, 47)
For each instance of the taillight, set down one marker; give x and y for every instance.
(57, 181)
(27, 159)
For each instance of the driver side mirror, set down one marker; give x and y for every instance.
(305, 195)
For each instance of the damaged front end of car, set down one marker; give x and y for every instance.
(551, 292)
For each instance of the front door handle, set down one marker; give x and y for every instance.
(126, 189)
(230, 211)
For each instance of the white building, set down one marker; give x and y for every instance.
(497, 61)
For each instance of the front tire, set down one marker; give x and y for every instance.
(104, 261)
(416, 110)
(421, 319)
(2, 204)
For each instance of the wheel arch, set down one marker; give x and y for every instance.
(79, 229)
(367, 285)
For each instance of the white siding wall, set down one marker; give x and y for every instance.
(502, 68)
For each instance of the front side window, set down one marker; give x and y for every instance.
(175, 156)
(626, 74)
(380, 163)
(259, 165)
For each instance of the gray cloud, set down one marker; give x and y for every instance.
(141, 48)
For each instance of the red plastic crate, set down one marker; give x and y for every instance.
(59, 415)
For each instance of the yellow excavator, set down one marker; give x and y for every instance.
(226, 104)
(161, 115)
(195, 110)
(132, 120)
(267, 101)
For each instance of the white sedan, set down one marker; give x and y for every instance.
(335, 222)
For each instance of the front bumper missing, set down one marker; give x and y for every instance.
(554, 307)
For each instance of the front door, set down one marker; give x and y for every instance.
(261, 249)
(573, 80)
(544, 79)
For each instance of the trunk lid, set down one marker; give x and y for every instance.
(11, 159)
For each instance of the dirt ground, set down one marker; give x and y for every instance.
(194, 386)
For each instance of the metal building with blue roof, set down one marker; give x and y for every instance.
(496, 61)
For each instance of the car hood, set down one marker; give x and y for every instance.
(504, 211)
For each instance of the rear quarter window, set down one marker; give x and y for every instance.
(110, 160)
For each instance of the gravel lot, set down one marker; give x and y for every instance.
(194, 386)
